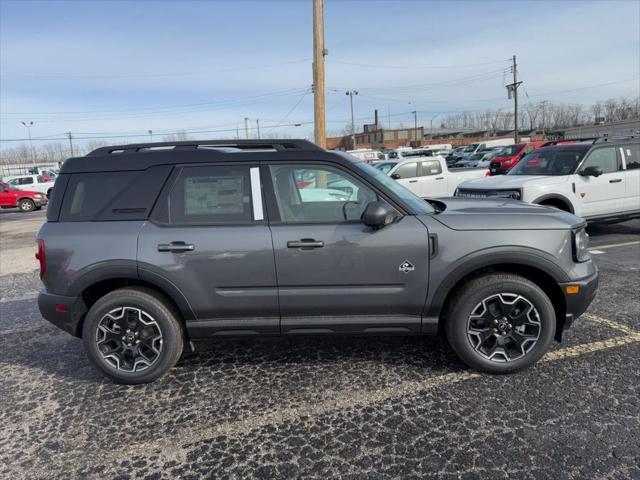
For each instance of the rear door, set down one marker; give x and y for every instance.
(209, 238)
(335, 275)
(605, 194)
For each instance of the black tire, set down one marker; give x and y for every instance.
(166, 320)
(474, 297)
(26, 205)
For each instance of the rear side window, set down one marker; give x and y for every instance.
(632, 156)
(431, 167)
(88, 194)
(211, 195)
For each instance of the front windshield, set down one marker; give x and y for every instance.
(471, 147)
(418, 205)
(385, 167)
(548, 162)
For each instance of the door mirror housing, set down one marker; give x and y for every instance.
(395, 176)
(591, 172)
(378, 214)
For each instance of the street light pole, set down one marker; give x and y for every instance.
(28, 125)
(150, 132)
(351, 93)
(415, 125)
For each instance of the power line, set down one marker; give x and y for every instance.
(416, 67)
(289, 112)
(150, 75)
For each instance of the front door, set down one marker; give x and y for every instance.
(210, 240)
(335, 275)
(603, 194)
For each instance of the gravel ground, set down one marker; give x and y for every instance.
(307, 408)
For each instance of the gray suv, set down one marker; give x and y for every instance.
(147, 247)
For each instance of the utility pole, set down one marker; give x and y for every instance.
(431, 124)
(258, 127)
(319, 52)
(150, 132)
(415, 125)
(351, 93)
(70, 142)
(28, 125)
(247, 128)
(512, 89)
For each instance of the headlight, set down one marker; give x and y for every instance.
(580, 245)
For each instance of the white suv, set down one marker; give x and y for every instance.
(33, 183)
(596, 179)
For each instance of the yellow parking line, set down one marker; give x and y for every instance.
(610, 323)
(614, 245)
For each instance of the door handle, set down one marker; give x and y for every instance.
(615, 180)
(439, 178)
(176, 247)
(413, 181)
(305, 243)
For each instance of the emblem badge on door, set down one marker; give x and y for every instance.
(406, 267)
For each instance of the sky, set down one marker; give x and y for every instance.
(113, 70)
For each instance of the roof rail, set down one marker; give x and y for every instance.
(254, 144)
(608, 138)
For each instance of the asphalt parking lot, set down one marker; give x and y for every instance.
(305, 408)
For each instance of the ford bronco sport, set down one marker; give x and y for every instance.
(147, 247)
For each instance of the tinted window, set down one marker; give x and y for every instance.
(26, 181)
(40, 179)
(605, 158)
(385, 167)
(408, 170)
(431, 168)
(204, 195)
(88, 194)
(632, 156)
(318, 193)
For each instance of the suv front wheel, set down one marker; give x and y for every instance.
(500, 323)
(133, 335)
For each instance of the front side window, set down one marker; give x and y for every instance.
(211, 195)
(604, 158)
(408, 170)
(431, 168)
(26, 181)
(318, 194)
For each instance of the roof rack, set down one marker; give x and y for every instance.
(608, 138)
(254, 144)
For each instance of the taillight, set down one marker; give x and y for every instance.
(41, 257)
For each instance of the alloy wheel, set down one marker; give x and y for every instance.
(504, 327)
(129, 339)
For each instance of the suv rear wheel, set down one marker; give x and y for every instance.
(133, 335)
(500, 323)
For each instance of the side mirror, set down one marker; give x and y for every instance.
(378, 214)
(395, 176)
(591, 172)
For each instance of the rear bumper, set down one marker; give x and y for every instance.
(578, 303)
(50, 306)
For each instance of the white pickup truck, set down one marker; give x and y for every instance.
(33, 183)
(429, 176)
(597, 180)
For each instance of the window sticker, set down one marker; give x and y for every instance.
(214, 195)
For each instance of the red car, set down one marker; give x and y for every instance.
(511, 155)
(26, 201)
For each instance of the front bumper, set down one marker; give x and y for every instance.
(578, 303)
(50, 306)
(41, 203)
